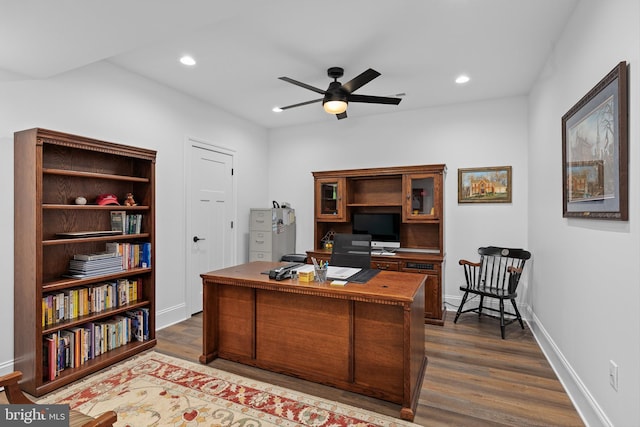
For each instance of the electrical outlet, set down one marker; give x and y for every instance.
(613, 375)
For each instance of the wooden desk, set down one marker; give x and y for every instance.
(366, 338)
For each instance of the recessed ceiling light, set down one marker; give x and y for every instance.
(188, 60)
(462, 79)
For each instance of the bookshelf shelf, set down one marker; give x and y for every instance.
(51, 170)
(64, 283)
(95, 207)
(93, 175)
(110, 238)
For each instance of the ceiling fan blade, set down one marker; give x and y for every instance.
(304, 85)
(361, 80)
(301, 104)
(374, 99)
(342, 115)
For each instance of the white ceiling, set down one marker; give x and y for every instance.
(243, 46)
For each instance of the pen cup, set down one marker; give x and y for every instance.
(321, 274)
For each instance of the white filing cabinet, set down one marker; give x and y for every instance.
(272, 233)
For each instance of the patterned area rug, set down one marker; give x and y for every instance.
(153, 389)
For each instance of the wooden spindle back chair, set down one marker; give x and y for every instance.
(497, 275)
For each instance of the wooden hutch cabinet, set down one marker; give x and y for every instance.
(68, 324)
(329, 199)
(415, 193)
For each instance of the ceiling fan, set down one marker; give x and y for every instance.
(338, 95)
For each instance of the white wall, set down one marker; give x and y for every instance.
(586, 290)
(104, 102)
(491, 133)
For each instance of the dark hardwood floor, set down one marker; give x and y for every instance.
(473, 377)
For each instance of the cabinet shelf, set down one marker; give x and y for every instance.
(57, 206)
(365, 205)
(93, 175)
(109, 238)
(64, 283)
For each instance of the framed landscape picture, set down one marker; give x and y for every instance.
(595, 151)
(484, 185)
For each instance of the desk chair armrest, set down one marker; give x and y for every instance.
(471, 273)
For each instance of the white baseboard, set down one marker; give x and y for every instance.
(171, 316)
(6, 367)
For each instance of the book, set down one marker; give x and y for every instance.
(111, 263)
(94, 256)
(118, 221)
(146, 255)
(51, 351)
(95, 264)
(71, 355)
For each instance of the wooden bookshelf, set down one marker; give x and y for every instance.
(51, 170)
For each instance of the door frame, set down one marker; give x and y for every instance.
(206, 145)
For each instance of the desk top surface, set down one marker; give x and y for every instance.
(386, 285)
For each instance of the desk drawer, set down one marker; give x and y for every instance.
(385, 265)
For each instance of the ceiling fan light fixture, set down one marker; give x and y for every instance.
(462, 79)
(335, 107)
(187, 60)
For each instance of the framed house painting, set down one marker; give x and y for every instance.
(595, 151)
(484, 185)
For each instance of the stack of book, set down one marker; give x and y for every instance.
(71, 348)
(88, 265)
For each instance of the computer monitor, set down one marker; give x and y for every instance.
(384, 228)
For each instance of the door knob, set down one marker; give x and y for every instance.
(196, 238)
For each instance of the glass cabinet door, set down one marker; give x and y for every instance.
(422, 194)
(330, 202)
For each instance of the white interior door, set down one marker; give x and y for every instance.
(211, 218)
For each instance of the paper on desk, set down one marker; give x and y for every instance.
(339, 282)
(341, 272)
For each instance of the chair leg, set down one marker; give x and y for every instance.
(480, 305)
(502, 317)
(515, 308)
(464, 299)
